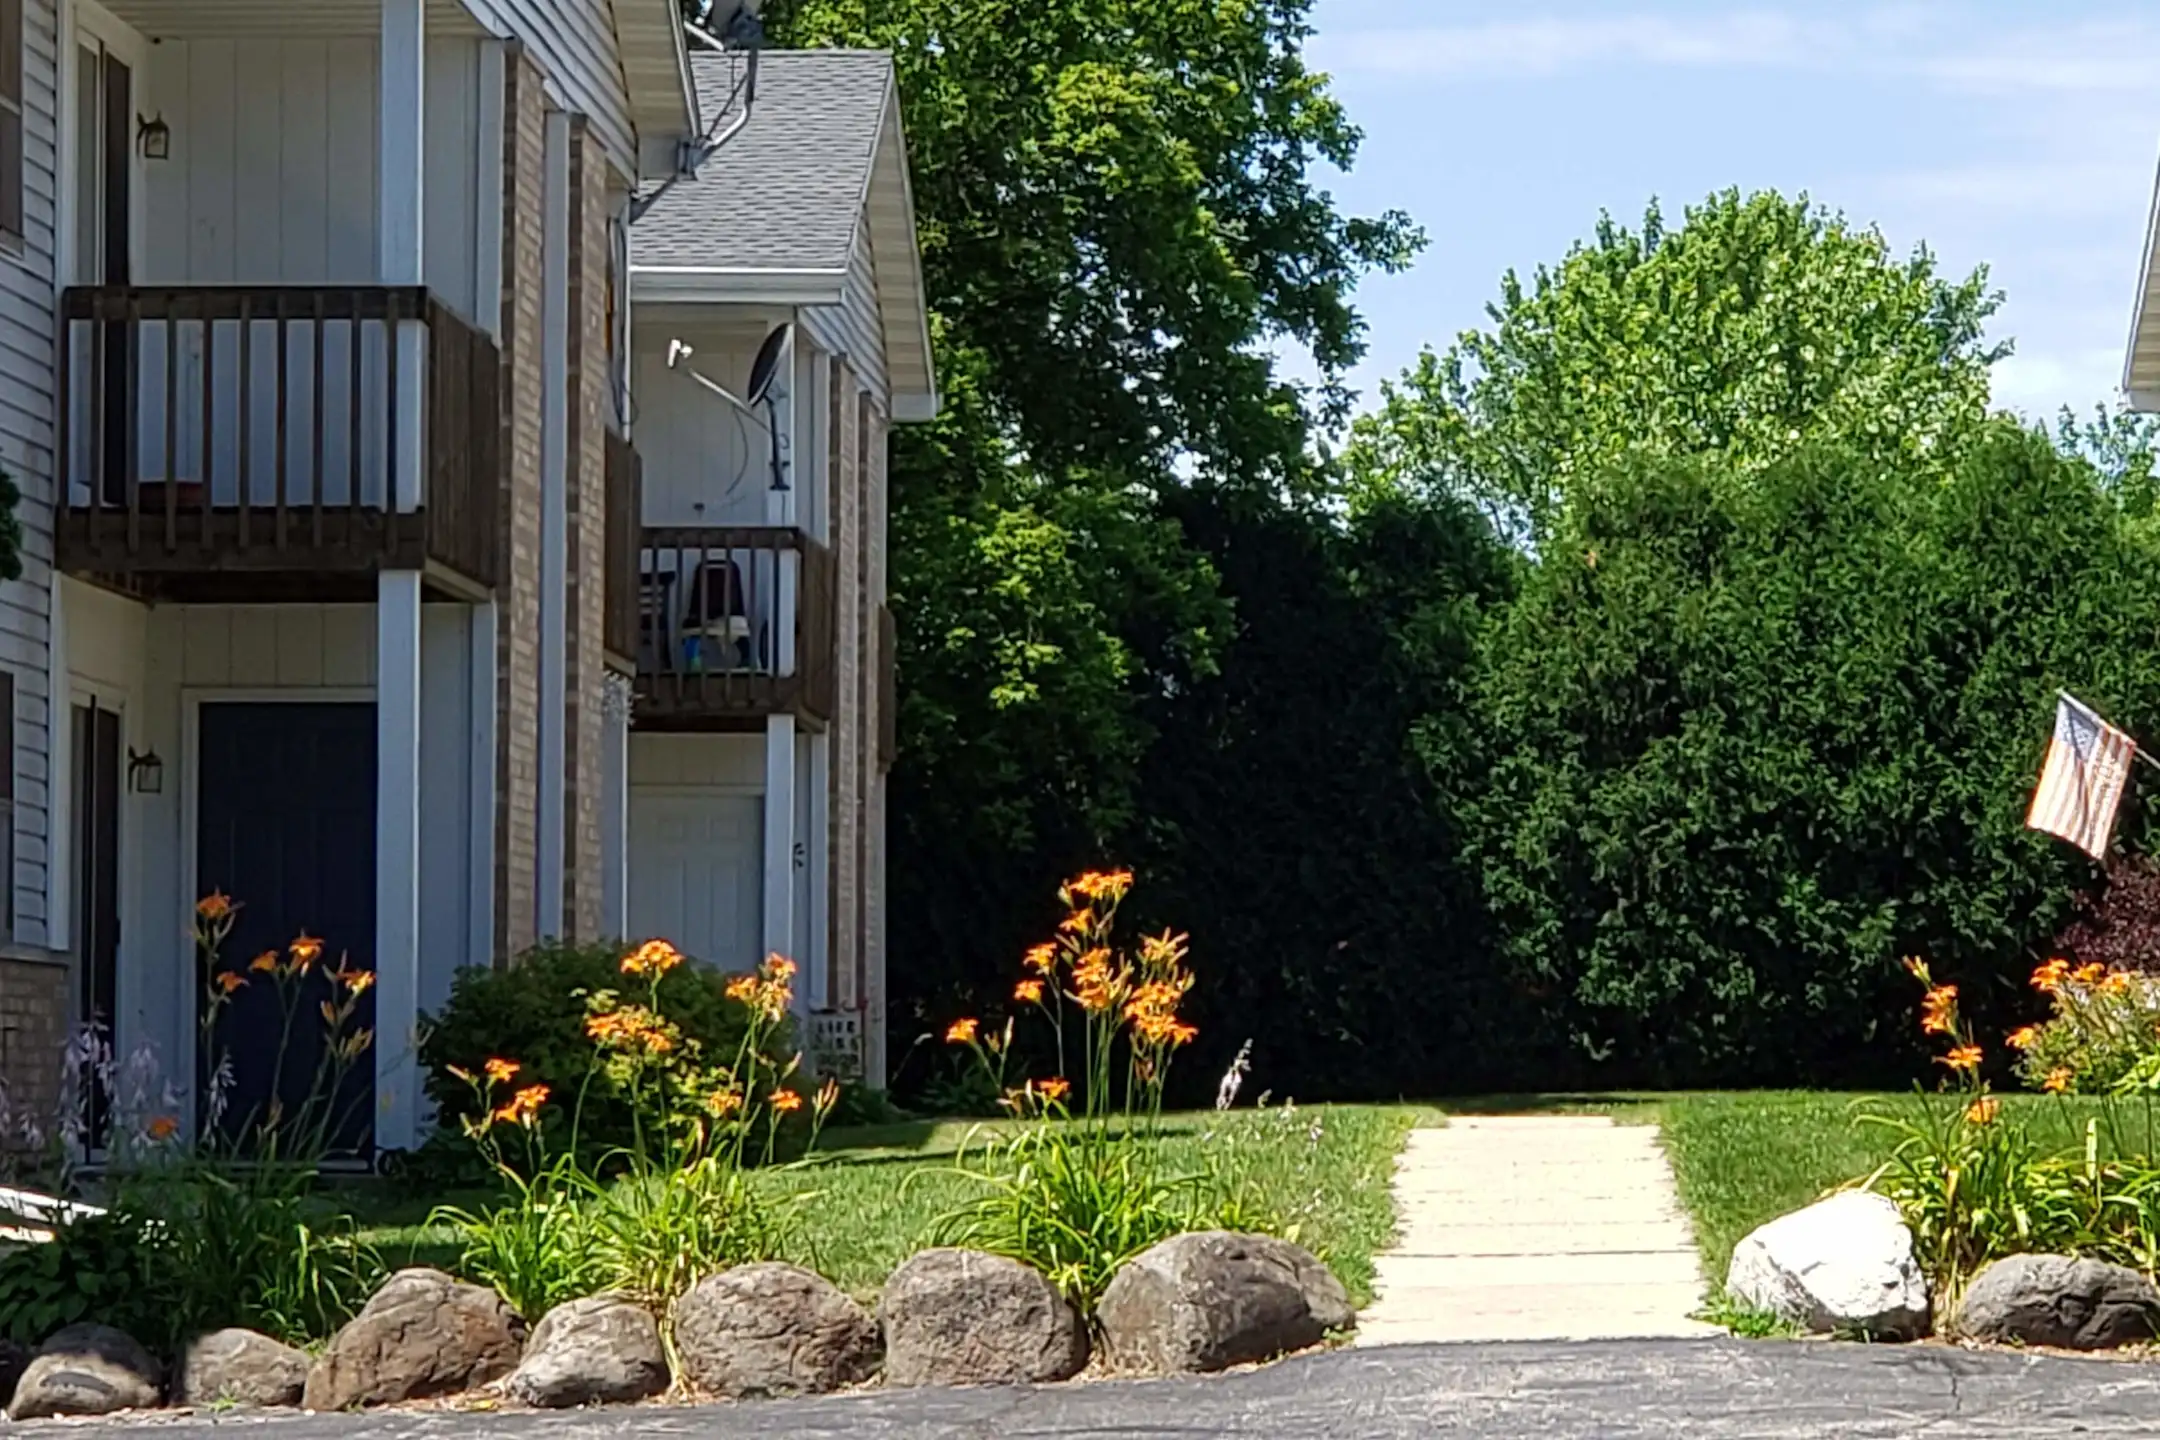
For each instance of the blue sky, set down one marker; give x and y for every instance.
(2019, 134)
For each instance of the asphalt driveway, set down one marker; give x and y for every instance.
(1693, 1389)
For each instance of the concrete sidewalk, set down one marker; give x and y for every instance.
(1535, 1228)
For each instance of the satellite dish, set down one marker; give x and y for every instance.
(766, 368)
(764, 373)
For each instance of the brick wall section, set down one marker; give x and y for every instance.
(844, 922)
(585, 605)
(517, 609)
(33, 1028)
(876, 499)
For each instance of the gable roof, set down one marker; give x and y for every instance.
(772, 216)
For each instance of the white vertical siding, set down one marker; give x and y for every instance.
(28, 280)
(699, 451)
(855, 328)
(272, 178)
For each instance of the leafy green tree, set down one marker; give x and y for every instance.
(1118, 219)
(1760, 733)
(1758, 325)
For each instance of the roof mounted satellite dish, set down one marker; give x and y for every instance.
(765, 373)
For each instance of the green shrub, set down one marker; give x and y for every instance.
(536, 1012)
(111, 1269)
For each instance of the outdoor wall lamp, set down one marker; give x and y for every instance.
(153, 138)
(146, 773)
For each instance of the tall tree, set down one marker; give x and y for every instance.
(1758, 325)
(1118, 220)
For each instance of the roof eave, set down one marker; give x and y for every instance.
(653, 45)
(736, 285)
(2141, 383)
(917, 404)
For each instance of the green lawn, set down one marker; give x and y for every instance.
(872, 1197)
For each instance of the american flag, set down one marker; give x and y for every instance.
(2081, 786)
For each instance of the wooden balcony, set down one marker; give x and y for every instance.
(735, 624)
(277, 442)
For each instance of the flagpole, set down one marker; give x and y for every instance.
(2137, 747)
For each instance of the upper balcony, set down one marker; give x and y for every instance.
(734, 623)
(277, 442)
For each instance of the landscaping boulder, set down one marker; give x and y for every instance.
(598, 1351)
(960, 1317)
(771, 1329)
(14, 1359)
(240, 1367)
(1213, 1299)
(422, 1334)
(1844, 1264)
(2059, 1301)
(87, 1370)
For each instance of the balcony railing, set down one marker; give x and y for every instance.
(211, 434)
(734, 624)
(625, 502)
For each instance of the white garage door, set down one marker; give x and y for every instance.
(696, 872)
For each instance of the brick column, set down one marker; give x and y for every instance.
(33, 1028)
(517, 607)
(876, 501)
(844, 809)
(585, 658)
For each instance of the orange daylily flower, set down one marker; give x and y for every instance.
(1054, 1089)
(163, 1127)
(742, 989)
(777, 967)
(652, 960)
(2089, 974)
(1028, 992)
(1078, 922)
(961, 1032)
(2049, 977)
(305, 950)
(1963, 1057)
(230, 980)
(1938, 1011)
(786, 1102)
(2022, 1038)
(2057, 1081)
(502, 1072)
(215, 906)
(357, 981)
(2117, 982)
(524, 1107)
(1043, 958)
(264, 963)
(1983, 1110)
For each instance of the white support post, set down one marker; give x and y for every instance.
(480, 857)
(60, 767)
(615, 809)
(779, 919)
(397, 859)
(824, 994)
(554, 525)
(401, 202)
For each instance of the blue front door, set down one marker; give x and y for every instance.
(286, 828)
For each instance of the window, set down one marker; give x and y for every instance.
(11, 118)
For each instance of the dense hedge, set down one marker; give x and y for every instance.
(1754, 741)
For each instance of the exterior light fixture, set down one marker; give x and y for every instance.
(153, 138)
(146, 773)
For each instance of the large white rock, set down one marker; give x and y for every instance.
(1842, 1264)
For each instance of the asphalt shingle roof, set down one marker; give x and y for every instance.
(786, 192)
